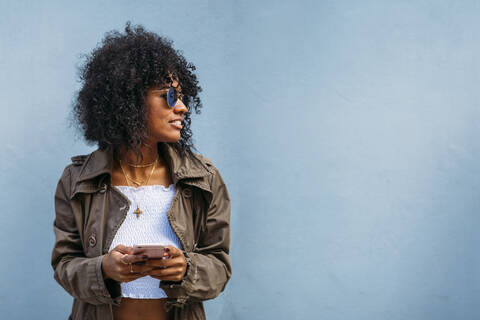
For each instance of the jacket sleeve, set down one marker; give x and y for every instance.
(80, 276)
(210, 267)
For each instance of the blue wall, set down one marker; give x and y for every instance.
(347, 133)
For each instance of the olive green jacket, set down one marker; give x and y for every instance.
(89, 211)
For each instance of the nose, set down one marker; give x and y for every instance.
(180, 107)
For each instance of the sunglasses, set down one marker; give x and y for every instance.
(172, 97)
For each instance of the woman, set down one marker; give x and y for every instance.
(143, 185)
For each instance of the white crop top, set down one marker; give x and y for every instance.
(152, 226)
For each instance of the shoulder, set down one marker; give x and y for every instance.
(216, 181)
(79, 159)
(72, 170)
(207, 164)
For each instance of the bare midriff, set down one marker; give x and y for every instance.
(136, 309)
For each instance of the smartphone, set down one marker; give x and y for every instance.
(153, 251)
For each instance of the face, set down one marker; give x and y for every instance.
(164, 122)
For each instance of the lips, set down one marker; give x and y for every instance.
(177, 123)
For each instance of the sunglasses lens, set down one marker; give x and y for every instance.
(172, 97)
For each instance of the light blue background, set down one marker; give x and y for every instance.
(347, 133)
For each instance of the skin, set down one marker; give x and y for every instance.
(120, 264)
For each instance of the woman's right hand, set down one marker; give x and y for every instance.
(122, 266)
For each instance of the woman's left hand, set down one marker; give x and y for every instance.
(171, 268)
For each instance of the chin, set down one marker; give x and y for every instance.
(177, 138)
(171, 139)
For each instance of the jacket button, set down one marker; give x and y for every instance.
(187, 193)
(92, 241)
(103, 189)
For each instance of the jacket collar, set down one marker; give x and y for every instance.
(190, 166)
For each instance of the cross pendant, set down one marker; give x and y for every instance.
(138, 212)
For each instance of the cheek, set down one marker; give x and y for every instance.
(157, 112)
(158, 119)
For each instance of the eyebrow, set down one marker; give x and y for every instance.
(161, 89)
(168, 88)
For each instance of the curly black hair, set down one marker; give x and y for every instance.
(109, 109)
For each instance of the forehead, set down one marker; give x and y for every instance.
(166, 86)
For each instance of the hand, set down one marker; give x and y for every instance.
(122, 266)
(171, 268)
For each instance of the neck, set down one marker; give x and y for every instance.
(148, 154)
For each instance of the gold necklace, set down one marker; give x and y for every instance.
(142, 165)
(138, 183)
(138, 212)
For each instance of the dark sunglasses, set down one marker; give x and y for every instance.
(173, 96)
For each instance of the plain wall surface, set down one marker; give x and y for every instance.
(346, 132)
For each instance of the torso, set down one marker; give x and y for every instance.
(141, 309)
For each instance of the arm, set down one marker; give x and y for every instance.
(80, 276)
(210, 267)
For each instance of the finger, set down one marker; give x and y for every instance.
(142, 269)
(174, 262)
(168, 272)
(130, 258)
(176, 278)
(173, 251)
(117, 256)
(136, 269)
(123, 249)
(163, 275)
(165, 263)
(157, 263)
